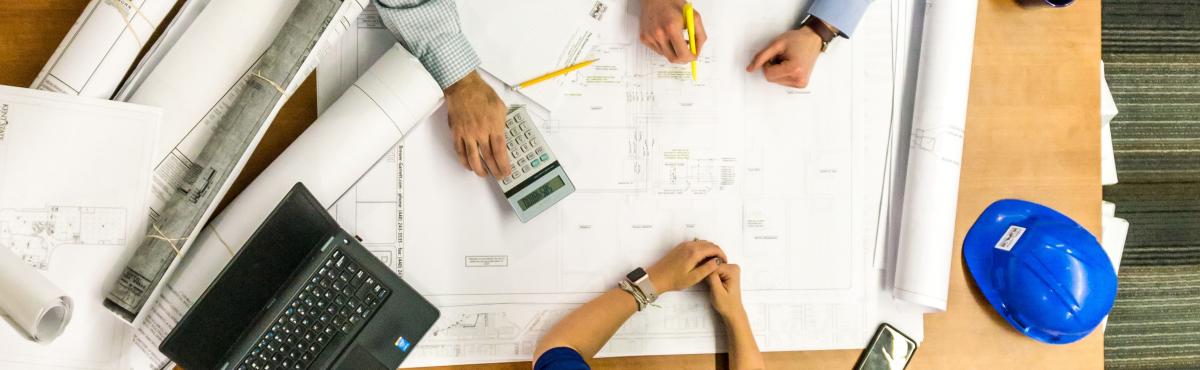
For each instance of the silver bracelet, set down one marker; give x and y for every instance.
(633, 290)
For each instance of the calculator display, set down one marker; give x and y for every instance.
(541, 193)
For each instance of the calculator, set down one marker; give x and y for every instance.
(538, 180)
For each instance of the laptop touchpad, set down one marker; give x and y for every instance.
(359, 359)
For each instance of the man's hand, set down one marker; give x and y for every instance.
(790, 58)
(477, 126)
(685, 265)
(662, 28)
(725, 288)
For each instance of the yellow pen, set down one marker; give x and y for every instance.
(690, 17)
(554, 74)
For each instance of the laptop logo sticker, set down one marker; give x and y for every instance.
(403, 344)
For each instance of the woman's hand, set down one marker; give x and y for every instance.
(685, 265)
(725, 287)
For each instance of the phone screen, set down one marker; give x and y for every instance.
(889, 350)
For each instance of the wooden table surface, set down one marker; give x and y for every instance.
(1032, 133)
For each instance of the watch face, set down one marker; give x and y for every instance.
(636, 275)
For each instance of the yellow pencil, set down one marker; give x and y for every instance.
(554, 74)
(690, 17)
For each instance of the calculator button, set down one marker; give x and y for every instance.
(545, 157)
(507, 180)
(522, 162)
(512, 153)
(534, 142)
(520, 139)
(529, 135)
(511, 144)
(526, 148)
(540, 150)
(530, 156)
(526, 169)
(535, 163)
(523, 127)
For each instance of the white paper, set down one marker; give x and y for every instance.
(1113, 233)
(514, 51)
(102, 46)
(1108, 111)
(74, 180)
(934, 161)
(170, 35)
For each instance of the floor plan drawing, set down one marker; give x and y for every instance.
(33, 234)
(656, 159)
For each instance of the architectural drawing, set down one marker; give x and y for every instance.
(33, 234)
(371, 210)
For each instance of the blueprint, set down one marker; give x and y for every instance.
(102, 47)
(658, 159)
(34, 234)
(371, 210)
(74, 186)
(211, 125)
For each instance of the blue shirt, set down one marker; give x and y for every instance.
(561, 358)
(841, 14)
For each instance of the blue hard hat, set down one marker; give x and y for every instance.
(1040, 270)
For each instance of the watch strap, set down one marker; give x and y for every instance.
(821, 29)
(637, 283)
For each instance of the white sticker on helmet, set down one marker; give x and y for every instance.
(1010, 238)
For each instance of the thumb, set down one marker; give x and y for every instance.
(715, 285)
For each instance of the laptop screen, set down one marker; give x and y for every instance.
(232, 303)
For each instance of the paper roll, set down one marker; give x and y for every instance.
(33, 305)
(393, 95)
(935, 154)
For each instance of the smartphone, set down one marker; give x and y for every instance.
(890, 349)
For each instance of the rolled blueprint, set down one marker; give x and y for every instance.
(392, 96)
(102, 47)
(34, 306)
(935, 153)
(198, 170)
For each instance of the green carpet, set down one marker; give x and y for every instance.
(1151, 50)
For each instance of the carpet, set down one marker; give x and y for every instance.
(1151, 50)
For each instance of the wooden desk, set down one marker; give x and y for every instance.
(1032, 133)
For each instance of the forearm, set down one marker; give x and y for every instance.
(588, 328)
(429, 29)
(743, 350)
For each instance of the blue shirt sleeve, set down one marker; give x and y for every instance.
(561, 358)
(841, 14)
(429, 29)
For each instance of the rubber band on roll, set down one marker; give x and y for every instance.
(160, 235)
(124, 7)
(277, 86)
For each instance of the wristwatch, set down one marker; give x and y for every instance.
(823, 30)
(639, 279)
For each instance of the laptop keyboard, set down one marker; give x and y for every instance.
(335, 301)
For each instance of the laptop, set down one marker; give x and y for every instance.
(301, 294)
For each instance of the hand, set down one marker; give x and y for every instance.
(685, 265)
(662, 29)
(477, 126)
(789, 59)
(725, 287)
